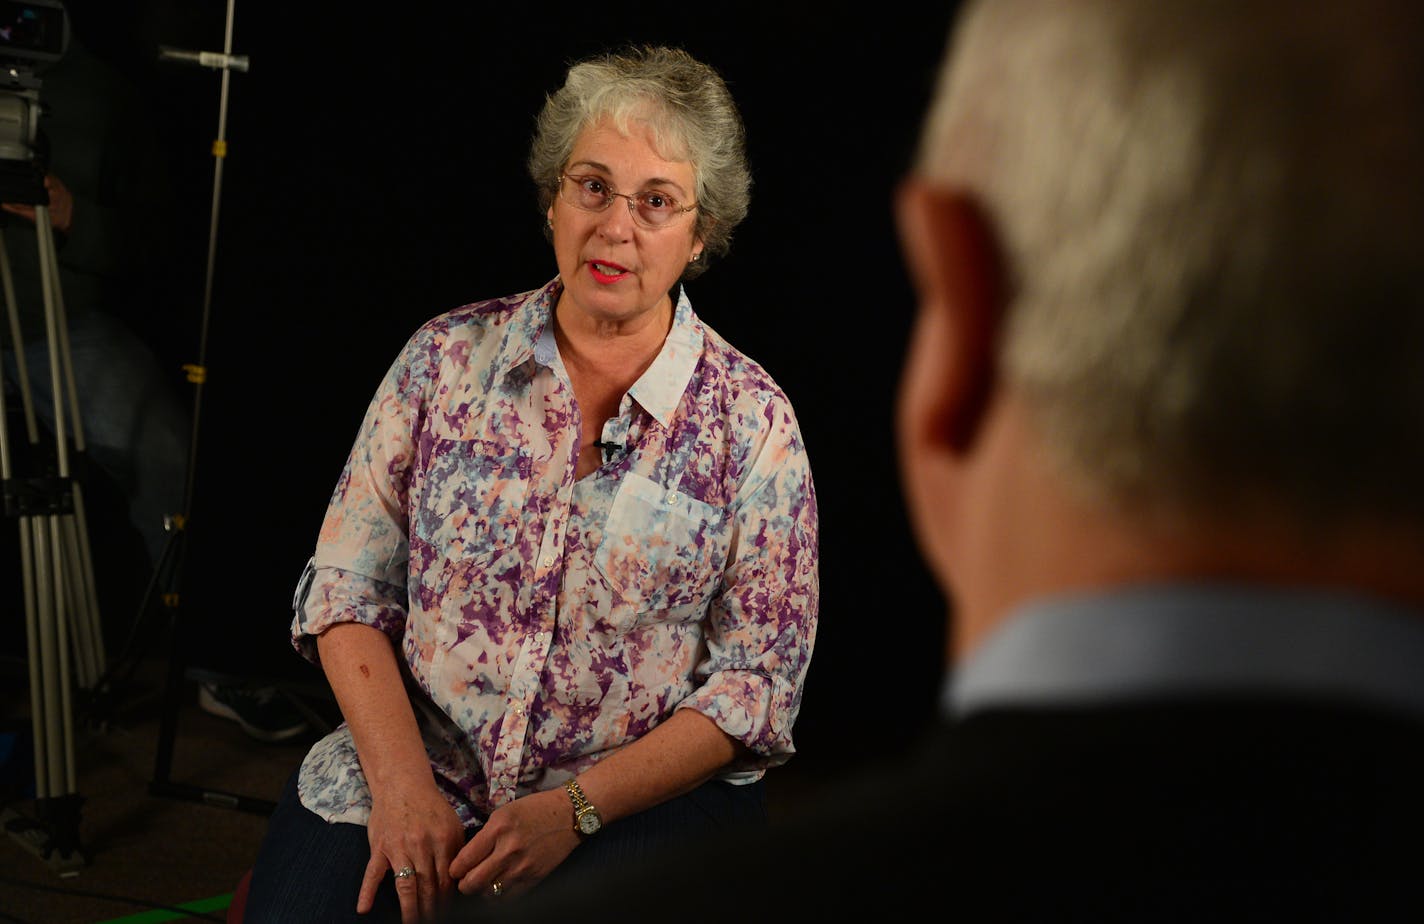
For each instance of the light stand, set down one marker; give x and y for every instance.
(171, 565)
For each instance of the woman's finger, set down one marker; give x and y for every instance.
(408, 892)
(428, 891)
(375, 871)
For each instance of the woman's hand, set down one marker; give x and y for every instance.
(524, 840)
(521, 843)
(412, 827)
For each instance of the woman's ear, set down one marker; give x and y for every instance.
(951, 366)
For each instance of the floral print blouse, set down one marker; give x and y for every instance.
(543, 620)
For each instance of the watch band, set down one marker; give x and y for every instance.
(586, 817)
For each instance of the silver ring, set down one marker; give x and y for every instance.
(405, 872)
(496, 888)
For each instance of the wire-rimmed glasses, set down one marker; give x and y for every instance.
(651, 208)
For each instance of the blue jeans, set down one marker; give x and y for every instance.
(309, 870)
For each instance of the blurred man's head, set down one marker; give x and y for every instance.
(1170, 256)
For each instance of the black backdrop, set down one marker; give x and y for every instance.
(375, 178)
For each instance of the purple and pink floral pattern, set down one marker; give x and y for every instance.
(545, 621)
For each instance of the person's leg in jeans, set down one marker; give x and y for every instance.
(710, 809)
(714, 809)
(309, 870)
(312, 869)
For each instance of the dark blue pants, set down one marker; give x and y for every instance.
(308, 870)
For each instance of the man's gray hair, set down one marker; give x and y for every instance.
(1211, 215)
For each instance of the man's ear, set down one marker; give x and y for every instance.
(951, 256)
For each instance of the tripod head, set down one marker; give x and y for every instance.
(33, 35)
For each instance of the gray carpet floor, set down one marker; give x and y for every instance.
(143, 849)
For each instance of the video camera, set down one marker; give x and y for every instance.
(33, 35)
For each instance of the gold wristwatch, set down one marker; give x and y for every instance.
(586, 817)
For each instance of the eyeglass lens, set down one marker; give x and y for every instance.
(650, 207)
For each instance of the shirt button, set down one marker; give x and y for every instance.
(518, 710)
(672, 498)
(548, 561)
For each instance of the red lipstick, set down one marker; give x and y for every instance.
(606, 272)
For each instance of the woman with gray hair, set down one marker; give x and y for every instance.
(566, 589)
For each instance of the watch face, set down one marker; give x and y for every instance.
(589, 822)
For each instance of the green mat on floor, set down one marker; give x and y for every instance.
(201, 906)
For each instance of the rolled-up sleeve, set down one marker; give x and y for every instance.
(359, 570)
(761, 626)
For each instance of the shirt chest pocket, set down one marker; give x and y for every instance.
(473, 499)
(661, 548)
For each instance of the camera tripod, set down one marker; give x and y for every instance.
(63, 632)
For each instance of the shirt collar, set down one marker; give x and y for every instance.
(659, 389)
(1193, 639)
(524, 336)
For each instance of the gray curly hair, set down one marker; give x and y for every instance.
(692, 116)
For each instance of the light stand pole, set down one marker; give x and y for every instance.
(162, 784)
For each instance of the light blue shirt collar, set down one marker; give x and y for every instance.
(1190, 639)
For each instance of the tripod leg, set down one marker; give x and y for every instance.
(83, 610)
(81, 593)
(34, 577)
(89, 648)
(54, 834)
(22, 374)
(62, 642)
(49, 773)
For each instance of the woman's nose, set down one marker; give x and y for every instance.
(617, 223)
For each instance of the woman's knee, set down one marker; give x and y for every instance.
(308, 869)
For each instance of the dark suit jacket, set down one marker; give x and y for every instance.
(1219, 809)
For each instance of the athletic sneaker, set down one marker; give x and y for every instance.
(263, 712)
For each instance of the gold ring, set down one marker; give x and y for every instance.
(497, 887)
(405, 872)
